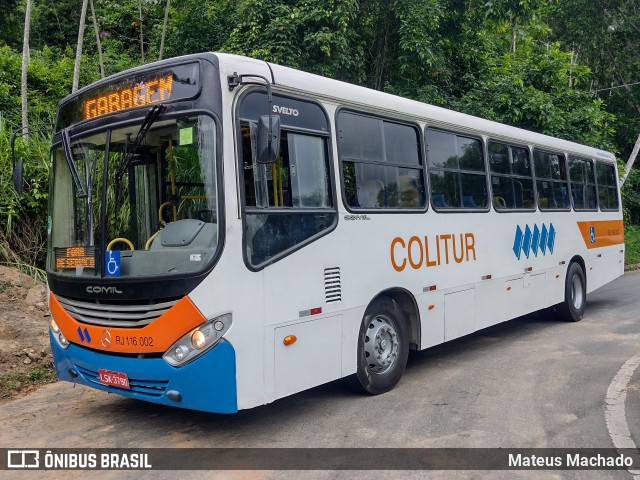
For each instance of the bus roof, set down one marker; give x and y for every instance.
(342, 93)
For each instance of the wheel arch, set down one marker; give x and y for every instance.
(409, 307)
(580, 261)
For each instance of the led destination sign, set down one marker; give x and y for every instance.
(179, 82)
(129, 96)
(75, 256)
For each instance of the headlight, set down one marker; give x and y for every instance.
(58, 335)
(197, 341)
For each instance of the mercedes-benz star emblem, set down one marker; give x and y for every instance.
(106, 338)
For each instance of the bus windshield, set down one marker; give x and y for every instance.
(135, 201)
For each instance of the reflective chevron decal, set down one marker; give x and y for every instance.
(534, 240)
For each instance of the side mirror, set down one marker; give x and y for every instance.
(268, 138)
(18, 176)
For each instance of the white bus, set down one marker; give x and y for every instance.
(224, 232)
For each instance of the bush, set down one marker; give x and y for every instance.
(23, 238)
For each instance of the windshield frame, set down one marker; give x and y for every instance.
(160, 285)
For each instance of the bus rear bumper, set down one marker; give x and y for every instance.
(208, 383)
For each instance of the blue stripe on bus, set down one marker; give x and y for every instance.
(207, 383)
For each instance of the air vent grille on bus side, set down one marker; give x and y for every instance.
(332, 287)
(115, 315)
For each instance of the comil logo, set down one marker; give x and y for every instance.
(534, 240)
(23, 459)
(97, 289)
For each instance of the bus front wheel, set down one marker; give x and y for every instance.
(575, 294)
(383, 347)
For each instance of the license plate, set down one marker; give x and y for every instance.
(114, 379)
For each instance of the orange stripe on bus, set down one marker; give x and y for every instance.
(605, 234)
(155, 337)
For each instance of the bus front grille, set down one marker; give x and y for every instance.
(115, 315)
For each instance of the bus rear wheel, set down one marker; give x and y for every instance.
(575, 294)
(383, 347)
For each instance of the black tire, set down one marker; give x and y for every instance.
(383, 334)
(575, 295)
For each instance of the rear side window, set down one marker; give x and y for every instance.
(583, 184)
(456, 171)
(381, 163)
(607, 186)
(551, 180)
(511, 177)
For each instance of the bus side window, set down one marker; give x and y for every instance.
(551, 180)
(607, 186)
(583, 183)
(381, 163)
(511, 177)
(456, 171)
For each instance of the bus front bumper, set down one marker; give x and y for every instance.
(208, 383)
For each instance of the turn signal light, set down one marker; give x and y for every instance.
(289, 340)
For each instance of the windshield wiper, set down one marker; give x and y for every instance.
(66, 146)
(152, 115)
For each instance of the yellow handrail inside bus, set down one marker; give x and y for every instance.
(119, 239)
(165, 204)
(148, 244)
(195, 197)
(280, 181)
(274, 177)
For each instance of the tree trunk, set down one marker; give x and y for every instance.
(164, 29)
(95, 27)
(574, 60)
(141, 36)
(25, 64)
(76, 67)
(632, 158)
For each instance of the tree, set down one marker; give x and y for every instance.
(54, 24)
(76, 68)
(25, 64)
(141, 35)
(10, 23)
(95, 27)
(606, 36)
(164, 29)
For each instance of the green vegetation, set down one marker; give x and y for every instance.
(14, 381)
(632, 244)
(545, 66)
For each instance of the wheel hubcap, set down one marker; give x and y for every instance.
(380, 344)
(577, 294)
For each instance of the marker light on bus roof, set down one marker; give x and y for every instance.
(198, 341)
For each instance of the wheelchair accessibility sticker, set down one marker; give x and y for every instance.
(112, 263)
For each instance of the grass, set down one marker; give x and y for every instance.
(38, 274)
(4, 284)
(13, 382)
(632, 244)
